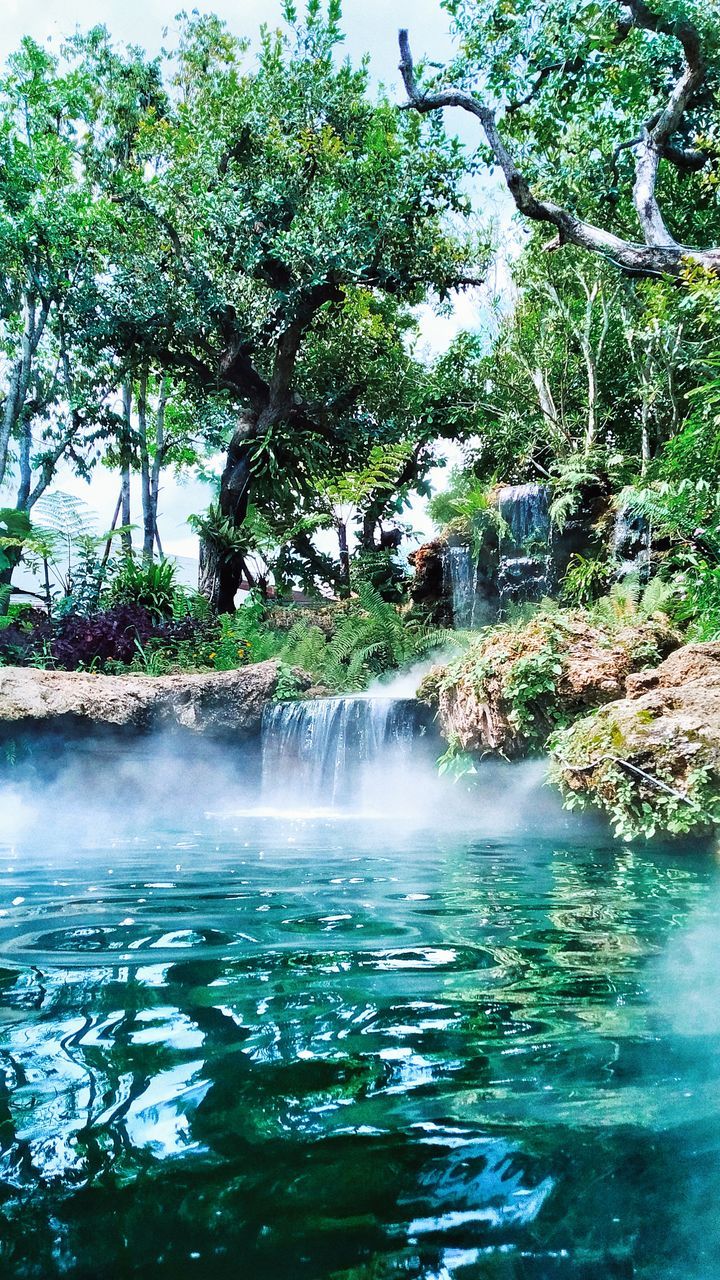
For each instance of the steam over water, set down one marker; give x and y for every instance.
(238, 1042)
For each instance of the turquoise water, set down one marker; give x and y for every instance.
(256, 1047)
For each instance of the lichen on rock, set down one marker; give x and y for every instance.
(651, 760)
(519, 682)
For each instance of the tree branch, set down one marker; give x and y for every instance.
(660, 254)
(657, 133)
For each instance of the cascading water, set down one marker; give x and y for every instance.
(631, 545)
(336, 752)
(460, 573)
(525, 569)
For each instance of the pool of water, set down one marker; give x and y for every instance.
(256, 1047)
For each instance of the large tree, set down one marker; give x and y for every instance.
(601, 116)
(272, 211)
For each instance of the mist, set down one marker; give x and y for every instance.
(71, 795)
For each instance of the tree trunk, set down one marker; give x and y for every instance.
(126, 537)
(221, 573)
(209, 574)
(145, 482)
(5, 584)
(108, 544)
(344, 553)
(219, 578)
(14, 555)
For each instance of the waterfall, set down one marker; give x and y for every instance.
(330, 752)
(525, 570)
(631, 545)
(460, 573)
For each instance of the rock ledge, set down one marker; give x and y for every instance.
(224, 702)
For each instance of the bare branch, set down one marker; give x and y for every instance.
(660, 254)
(657, 134)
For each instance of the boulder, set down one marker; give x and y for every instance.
(651, 760)
(428, 590)
(518, 683)
(224, 702)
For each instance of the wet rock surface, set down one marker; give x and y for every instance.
(223, 702)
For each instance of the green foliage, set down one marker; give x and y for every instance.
(586, 579)
(455, 762)
(370, 638)
(220, 532)
(628, 602)
(572, 478)
(641, 799)
(577, 88)
(151, 584)
(465, 511)
(529, 689)
(383, 571)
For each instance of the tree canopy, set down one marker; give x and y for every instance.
(600, 116)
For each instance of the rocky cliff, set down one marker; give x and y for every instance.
(517, 684)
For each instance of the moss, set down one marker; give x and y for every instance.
(646, 787)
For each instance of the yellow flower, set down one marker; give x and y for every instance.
(212, 655)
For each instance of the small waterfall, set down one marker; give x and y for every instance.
(330, 752)
(631, 545)
(525, 570)
(460, 573)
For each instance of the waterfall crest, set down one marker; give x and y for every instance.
(331, 752)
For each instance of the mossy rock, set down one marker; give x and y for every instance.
(651, 760)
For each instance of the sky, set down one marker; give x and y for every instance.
(371, 26)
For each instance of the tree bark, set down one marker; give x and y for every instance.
(126, 536)
(221, 573)
(145, 485)
(344, 552)
(219, 578)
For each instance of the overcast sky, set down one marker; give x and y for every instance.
(370, 25)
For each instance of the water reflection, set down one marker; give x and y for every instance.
(286, 1052)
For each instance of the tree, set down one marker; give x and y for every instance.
(580, 86)
(287, 206)
(52, 393)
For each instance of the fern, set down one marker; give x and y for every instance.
(572, 477)
(627, 602)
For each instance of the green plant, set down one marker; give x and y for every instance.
(529, 688)
(467, 511)
(288, 686)
(586, 579)
(385, 573)
(573, 476)
(151, 584)
(456, 762)
(629, 602)
(599, 762)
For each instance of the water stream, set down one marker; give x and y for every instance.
(235, 1042)
(460, 572)
(525, 570)
(326, 751)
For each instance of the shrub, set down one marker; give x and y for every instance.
(383, 571)
(586, 579)
(149, 585)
